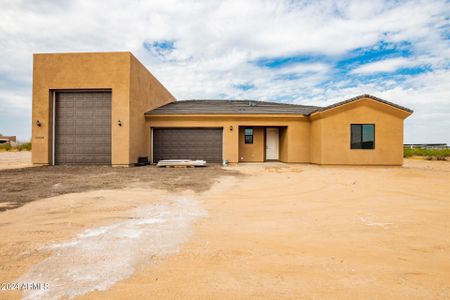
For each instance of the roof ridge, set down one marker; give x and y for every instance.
(362, 97)
(245, 100)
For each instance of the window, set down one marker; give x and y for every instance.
(248, 133)
(362, 136)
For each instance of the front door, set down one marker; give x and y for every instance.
(272, 143)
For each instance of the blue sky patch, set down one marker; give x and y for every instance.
(284, 61)
(159, 48)
(377, 52)
(244, 86)
(289, 76)
(342, 65)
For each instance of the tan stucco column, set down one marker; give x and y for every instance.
(231, 143)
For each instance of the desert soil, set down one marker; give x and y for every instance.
(22, 185)
(275, 231)
(14, 160)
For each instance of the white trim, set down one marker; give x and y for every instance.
(223, 141)
(151, 144)
(83, 90)
(53, 126)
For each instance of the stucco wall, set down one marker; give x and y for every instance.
(80, 71)
(252, 152)
(316, 141)
(298, 141)
(330, 142)
(296, 124)
(146, 93)
(283, 144)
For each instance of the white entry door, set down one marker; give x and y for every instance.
(272, 143)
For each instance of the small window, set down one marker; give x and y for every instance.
(248, 133)
(362, 136)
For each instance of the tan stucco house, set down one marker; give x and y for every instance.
(107, 108)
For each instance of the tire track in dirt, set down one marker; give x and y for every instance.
(101, 256)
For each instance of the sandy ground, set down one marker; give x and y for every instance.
(14, 160)
(278, 231)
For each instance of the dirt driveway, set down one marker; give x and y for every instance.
(275, 231)
(23, 185)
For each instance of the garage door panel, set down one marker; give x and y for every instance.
(67, 149)
(100, 124)
(102, 139)
(100, 130)
(63, 130)
(82, 118)
(187, 143)
(85, 122)
(66, 103)
(99, 114)
(83, 103)
(81, 140)
(64, 140)
(83, 128)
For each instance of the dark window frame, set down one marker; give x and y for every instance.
(361, 142)
(249, 136)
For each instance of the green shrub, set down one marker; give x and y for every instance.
(5, 147)
(430, 154)
(408, 152)
(18, 147)
(24, 147)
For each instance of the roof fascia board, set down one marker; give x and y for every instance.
(349, 105)
(293, 116)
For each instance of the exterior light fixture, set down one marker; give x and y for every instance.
(38, 123)
(231, 127)
(119, 123)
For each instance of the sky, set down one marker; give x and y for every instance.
(303, 52)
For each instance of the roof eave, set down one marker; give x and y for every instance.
(360, 97)
(404, 112)
(284, 115)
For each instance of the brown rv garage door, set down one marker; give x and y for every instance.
(83, 128)
(187, 143)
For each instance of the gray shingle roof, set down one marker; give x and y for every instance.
(231, 107)
(251, 107)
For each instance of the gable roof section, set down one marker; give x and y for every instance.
(231, 107)
(362, 97)
(218, 107)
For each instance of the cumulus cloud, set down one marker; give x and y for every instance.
(388, 65)
(210, 49)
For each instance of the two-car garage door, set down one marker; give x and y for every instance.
(187, 143)
(82, 129)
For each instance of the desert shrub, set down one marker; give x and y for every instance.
(17, 147)
(24, 147)
(5, 147)
(408, 152)
(430, 154)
